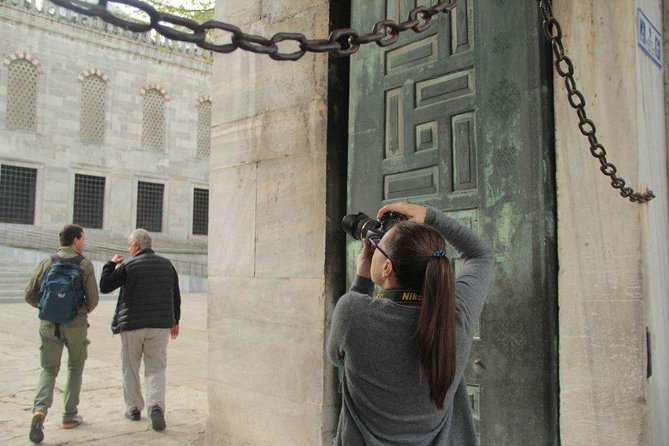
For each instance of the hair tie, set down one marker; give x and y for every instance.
(439, 254)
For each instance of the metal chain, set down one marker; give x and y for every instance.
(340, 43)
(346, 41)
(565, 68)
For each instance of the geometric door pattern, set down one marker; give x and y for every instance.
(430, 121)
(430, 115)
(456, 118)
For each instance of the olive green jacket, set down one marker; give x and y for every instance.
(91, 296)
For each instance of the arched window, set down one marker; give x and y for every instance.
(204, 128)
(153, 121)
(21, 92)
(93, 106)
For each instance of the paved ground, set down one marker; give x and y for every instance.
(102, 398)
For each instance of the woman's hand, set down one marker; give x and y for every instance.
(363, 265)
(413, 212)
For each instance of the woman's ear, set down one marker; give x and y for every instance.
(387, 269)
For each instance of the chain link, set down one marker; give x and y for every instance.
(340, 43)
(565, 68)
(346, 41)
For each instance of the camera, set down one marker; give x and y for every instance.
(361, 225)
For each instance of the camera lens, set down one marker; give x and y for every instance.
(357, 225)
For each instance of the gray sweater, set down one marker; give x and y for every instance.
(385, 400)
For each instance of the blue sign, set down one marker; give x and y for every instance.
(650, 39)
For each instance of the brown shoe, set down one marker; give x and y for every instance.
(73, 422)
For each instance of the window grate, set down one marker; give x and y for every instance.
(204, 129)
(21, 95)
(89, 201)
(17, 194)
(150, 206)
(153, 121)
(200, 211)
(93, 98)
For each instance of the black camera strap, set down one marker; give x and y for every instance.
(410, 298)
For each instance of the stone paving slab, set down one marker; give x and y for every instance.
(102, 396)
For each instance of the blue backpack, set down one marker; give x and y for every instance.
(61, 292)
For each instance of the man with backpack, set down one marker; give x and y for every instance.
(64, 289)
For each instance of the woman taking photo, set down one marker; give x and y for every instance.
(404, 352)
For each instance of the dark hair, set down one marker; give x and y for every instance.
(411, 247)
(69, 233)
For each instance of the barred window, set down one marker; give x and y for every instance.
(89, 201)
(150, 206)
(17, 194)
(200, 211)
(21, 95)
(153, 123)
(204, 129)
(93, 104)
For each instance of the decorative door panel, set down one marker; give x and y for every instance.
(430, 110)
(457, 118)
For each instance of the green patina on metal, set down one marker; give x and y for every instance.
(457, 118)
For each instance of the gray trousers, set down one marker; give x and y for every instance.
(151, 343)
(74, 338)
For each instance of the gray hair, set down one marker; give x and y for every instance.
(141, 237)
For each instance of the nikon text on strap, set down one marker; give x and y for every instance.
(410, 298)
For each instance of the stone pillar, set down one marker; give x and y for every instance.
(655, 224)
(267, 305)
(612, 253)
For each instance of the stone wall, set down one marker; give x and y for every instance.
(652, 103)
(612, 253)
(65, 45)
(268, 311)
(268, 379)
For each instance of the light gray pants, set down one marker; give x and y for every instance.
(152, 344)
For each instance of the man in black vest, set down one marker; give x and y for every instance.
(147, 314)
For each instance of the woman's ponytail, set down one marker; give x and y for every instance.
(420, 264)
(435, 334)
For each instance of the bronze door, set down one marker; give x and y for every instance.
(458, 118)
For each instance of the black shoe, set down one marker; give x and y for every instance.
(133, 414)
(157, 418)
(36, 434)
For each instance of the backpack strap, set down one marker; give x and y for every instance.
(77, 259)
(55, 258)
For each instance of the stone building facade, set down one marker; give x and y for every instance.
(102, 127)
(592, 301)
